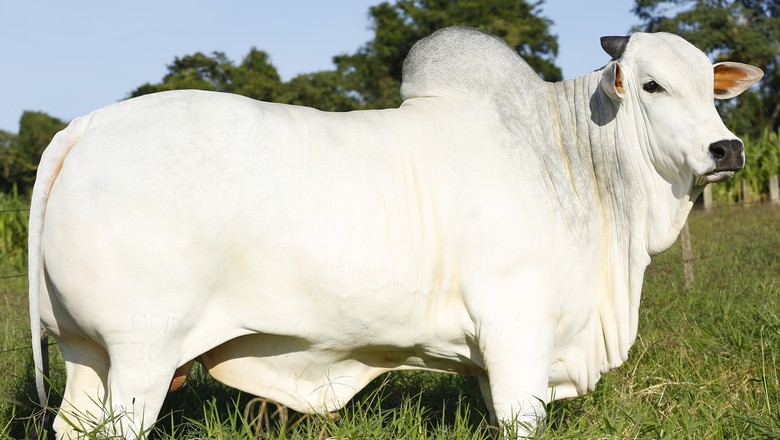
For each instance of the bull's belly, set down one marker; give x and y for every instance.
(306, 378)
(314, 353)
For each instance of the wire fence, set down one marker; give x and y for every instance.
(12, 350)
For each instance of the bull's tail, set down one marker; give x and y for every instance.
(48, 169)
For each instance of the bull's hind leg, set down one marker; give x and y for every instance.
(139, 379)
(86, 367)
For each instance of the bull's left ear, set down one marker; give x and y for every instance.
(612, 81)
(731, 79)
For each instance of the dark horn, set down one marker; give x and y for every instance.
(614, 46)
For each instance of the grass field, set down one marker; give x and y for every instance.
(706, 364)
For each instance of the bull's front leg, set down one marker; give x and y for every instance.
(517, 365)
(515, 338)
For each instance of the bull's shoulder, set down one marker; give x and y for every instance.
(458, 61)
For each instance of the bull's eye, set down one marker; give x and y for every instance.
(652, 87)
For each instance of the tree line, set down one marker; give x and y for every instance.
(746, 31)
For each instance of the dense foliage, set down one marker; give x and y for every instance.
(20, 154)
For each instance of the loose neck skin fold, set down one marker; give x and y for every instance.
(635, 212)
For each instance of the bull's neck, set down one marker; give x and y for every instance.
(636, 213)
(592, 120)
(633, 195)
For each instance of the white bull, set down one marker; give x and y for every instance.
(494, 224)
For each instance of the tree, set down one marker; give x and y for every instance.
(196, 71)
(8, 159)
(321, 90)
(254, 77)
(747, 31)
(373, 73)
(20, 154)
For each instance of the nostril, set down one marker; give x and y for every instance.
(717, 151)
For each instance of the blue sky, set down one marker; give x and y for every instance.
(67, 58)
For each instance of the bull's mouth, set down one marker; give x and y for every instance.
(715, 177)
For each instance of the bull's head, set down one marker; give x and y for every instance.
(668, 86)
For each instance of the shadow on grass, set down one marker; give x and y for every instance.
(439, 402)
(433, 402)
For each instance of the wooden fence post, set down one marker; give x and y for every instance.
(745, 192)
(708, 197)
(687, 255)
(774, 193)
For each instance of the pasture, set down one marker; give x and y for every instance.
(706, 363)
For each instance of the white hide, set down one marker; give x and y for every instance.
(494, 225)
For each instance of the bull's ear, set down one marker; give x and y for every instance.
(612, 81)
(731, 79)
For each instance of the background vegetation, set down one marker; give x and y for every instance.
(707, 361)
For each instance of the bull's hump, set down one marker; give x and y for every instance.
(462, 61)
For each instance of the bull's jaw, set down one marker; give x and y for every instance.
(714, 177)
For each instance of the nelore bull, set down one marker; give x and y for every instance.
(494, 224)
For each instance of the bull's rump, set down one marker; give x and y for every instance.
(204, 217)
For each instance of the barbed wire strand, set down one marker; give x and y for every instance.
(17, 349)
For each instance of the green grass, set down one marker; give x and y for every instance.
(14, 216)
(706, 364)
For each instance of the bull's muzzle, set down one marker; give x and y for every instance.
(728, 155)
